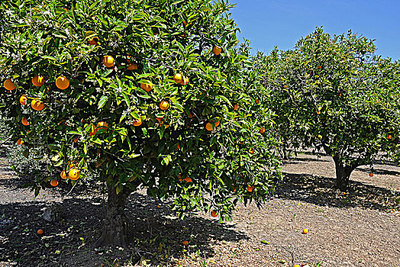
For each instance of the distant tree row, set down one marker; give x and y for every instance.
(333, 92)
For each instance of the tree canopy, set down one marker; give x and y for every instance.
(333, 92)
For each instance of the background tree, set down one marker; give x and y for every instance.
(276, 72)
(153, 94)
(337, 95)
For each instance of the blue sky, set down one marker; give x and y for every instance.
(269, 23)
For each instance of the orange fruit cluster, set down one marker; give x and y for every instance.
(179, 78)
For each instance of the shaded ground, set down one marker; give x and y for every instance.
(359, 228)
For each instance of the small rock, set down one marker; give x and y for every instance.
(52, 213)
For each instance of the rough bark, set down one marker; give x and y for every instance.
(342, 174)
(114, 224)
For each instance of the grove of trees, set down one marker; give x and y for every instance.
(161, 95)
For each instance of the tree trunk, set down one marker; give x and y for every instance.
(285, 153)
(114, 225)
(342, 174)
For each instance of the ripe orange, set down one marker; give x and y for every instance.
(184, 81)
(71, 165)
(318, 112)
(389, 136)
(54, 182)
(93, 131)
(37, 105)
(20, 142)
(40, 232)
(285, 86)
(38, 80)
(209, 126)
(217, 123)
(138, 122)
(146, 86)
(262, 130)
(62, 83)
(8, 84)
(102, 125)
(132, 66)
(251, 151)
(258, 101)
(185, 243)
(236, 106)
(164, 105)
(188, 180)
(250, 188)
(371, 174)
(93, 41)
(63, 175)
(25, 122)
(108, 61)
(74, 174)
(305, 231)
(23, 100)
(216, 50)
(214, 213)
(319, 67)
(178, 78)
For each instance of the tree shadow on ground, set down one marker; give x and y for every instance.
(302, 160)
(321, 191)
(154, 234)
(155, 225)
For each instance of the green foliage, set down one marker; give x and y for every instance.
(332, 92)
(57, 38)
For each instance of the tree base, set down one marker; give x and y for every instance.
(115, 225)
(343, 174)
(107, 239)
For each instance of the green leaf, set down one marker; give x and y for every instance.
(103, 101)
(49, 57)
(119, 188)
(133, 155)
(97, 141)
(74, 133)
(123, 116)
(127, 100)
(224, 99)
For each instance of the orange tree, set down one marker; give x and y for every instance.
(276, 72)
(138, 94)
(334, 93)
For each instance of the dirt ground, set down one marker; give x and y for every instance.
(358, 228)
